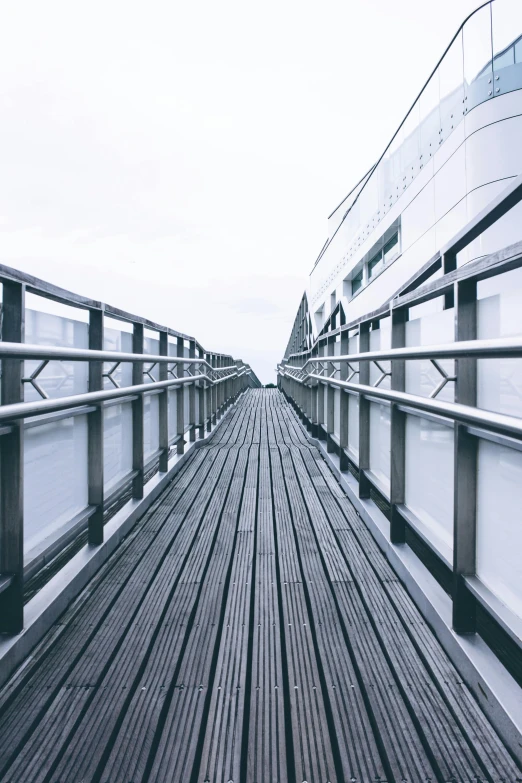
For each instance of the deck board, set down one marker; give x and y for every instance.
(248, 630)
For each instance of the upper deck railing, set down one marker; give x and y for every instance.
(84, 428)
(482, 61)
(422, 402)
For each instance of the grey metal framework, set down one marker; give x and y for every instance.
(307, 377)
(220, 378)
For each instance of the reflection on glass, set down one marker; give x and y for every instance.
(410, 161)
(507, 45)
(429, 119)
(391, 249)
(357, 282)
(477, 58)
(451, 87)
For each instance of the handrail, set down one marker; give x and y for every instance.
(50, 352)
(494, 348)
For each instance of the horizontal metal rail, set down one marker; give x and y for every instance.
(497, 348)
(465, 414)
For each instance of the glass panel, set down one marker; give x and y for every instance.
(499, 386)
(478, 74)
(391, 249)
(374, 263)
(499, 527)
(150, 425)
(55, 479)
(337, 411)
(429, 116)
(117, 340)
(380, 442)
(357, 282)
(173, 414)
(451, 87)
(59, 378)
(507, 45)
(186, 406)
(410, 153)
(421, 376)
(117, 443)
(353, 427)
(429, 475)
(390, 176)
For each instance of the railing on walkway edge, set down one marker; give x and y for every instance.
(310, 379)
(214, 381)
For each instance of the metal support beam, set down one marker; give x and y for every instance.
(465, 466)
(192, 395)
(180, 401)
(95, 432)
(137, 416)
(343, 410)
(364, 414)
(164, 406)
(201, 404)
(11, 468)
(397, 431)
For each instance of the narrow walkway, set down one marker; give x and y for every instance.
(248, 631)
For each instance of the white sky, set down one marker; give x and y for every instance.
(179, 159)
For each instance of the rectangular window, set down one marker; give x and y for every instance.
(391, 249)
(357, 282)
(374, 263)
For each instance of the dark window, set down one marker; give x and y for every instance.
(357, 282)
(374, 263)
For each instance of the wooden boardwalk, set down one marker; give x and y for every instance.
(249, 630)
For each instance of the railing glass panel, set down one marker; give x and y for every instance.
(499, 526)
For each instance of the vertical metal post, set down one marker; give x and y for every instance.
(192, 395)
(137, 416)
(330, 398)
(180, 399)
(208, 396)
(219, 390)
(465, 465)
(314, 396)
(95, 432)
(364, 414)
(397, 431)
(343, 412)
(214, 387)
(201, 399)
(164, 405)
(320, 399)
(12, 468)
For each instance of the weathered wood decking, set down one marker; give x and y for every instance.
(249, 630)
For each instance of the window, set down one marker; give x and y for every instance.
(357, 282)
(374, 263)
(391, 249)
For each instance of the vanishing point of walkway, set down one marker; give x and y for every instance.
(249, 630)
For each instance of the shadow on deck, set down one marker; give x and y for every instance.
(249, 629)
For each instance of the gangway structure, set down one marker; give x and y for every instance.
(203, 580)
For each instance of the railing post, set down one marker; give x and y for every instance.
(164, 405)
(330, 399)
(137, 416)
(192, 395)
(364, 414)
(343, 410)
(12, 468)
(465, 465)
(214, 392)
(180, 399)
(201, 399)
(208, 396)
(397, 431)
(219, 392)
(320, 399)
(314, 395)
(95, 432)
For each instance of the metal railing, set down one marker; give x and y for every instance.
(311, 380)
(213, 380)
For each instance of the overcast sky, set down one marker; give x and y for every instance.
(180, 159)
